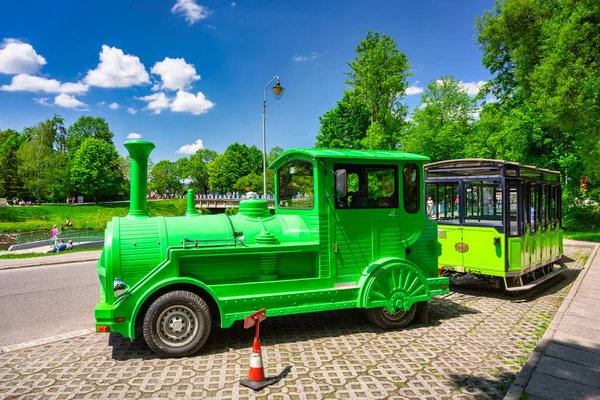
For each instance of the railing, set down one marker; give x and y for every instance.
(225, 203)
(77, 236)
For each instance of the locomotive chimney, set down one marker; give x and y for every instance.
(139, 151)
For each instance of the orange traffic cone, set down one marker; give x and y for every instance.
(256, 378)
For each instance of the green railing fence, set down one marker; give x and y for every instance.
(76, 235)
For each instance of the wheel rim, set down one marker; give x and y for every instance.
(177, 326)
(393, 316)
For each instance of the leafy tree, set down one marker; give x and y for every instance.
(545, 55)
(164, 178)
(10, 184)
(345, 126)
(95, 170)
(87, 127)
(196, 169)
(36, 159)
(378, 78)
(238, 161)
(443, 122)
(273, 154)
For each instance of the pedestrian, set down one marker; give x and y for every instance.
(54, 234)
(430, 205)
(70, 245)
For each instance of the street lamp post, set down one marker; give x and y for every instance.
(277, 92)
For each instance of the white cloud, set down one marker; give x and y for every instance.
(17, 57)
(68, 101)
(312, 56)
(192, 11)
(233, 4)
(134, 135)
(131, 110)
(43, 101)
(414, 89)
(175, 74)
(30, 83)
(191, 148)
(117, 70)
(187, 102)
(102, 103)
(113, 106)
(472, 88)
(157, 102)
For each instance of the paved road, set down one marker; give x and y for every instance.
(44, 301)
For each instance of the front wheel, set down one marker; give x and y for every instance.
(177, 324)
(381, 317)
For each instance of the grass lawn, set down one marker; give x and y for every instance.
(92, 216)
(32, 255)
(585, 236)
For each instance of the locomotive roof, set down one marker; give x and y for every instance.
(395, 155)
(483, 162)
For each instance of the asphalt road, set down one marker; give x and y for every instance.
(45, 301)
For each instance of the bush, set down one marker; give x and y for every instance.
(584, 218)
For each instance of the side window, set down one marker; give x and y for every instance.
(533, 207)
(483, 202)
(369, 187)
(443, 201)
(296, 187)
(411, 188)
(513, 197)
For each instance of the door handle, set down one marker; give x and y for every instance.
(393, 215)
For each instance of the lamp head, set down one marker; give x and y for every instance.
(277, 90)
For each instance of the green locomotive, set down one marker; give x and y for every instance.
(349, 231)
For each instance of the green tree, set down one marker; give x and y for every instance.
(378, 79)
(345, 126)
(36, 159)
(545, 57)
(95, 170)
(197, 170)
(87, 127)
(237, 161)
(164, 178)
(10, 184)
(443, 122)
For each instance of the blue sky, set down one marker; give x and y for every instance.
(178, 72)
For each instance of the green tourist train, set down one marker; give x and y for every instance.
(498, 220)
(349, 230)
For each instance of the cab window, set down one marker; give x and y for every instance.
(411, 188)
(369, 186)
(296, 186)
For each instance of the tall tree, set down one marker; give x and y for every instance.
(238, 160)
(198, 169)
(378, 79)
(87, 127)
(164, 178)
(345, 126)
(95, 170)
(443, 122)
(10, 184)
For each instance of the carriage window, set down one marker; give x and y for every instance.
(513, 196)
(443, 201)
(369, 186)
(552, 208)
(296, 185)
(533, 207)
(543, 206)
(483, 202)
(411, 188)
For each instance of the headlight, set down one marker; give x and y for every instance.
(119, 287)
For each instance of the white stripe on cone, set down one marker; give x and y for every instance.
(255, 361)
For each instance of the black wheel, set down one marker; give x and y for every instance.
(381, 317)
(177, 324)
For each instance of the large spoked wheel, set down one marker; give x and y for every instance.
(177, 324)
(381, 317)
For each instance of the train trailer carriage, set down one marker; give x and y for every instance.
(498, 220)
(349, 231)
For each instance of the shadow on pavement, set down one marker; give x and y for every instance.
(479, 387)
(288, 329)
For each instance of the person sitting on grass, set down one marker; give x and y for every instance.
(68, 223)
(70, 245)
(61, 246)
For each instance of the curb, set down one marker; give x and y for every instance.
(53, 262)
(39, 342)
(515, 390)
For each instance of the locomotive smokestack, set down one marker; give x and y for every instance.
(139, 151)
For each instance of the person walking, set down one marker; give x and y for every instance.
(54, 234)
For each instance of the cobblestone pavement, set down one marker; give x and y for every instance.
(474, 346)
